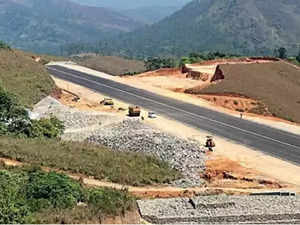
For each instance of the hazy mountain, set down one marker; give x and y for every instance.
(150, 14)
(132, 4)
(43, 25)
(236, 26)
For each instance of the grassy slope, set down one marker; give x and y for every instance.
(21, 75)
(277, 85)
(112, 64)
(123, 168)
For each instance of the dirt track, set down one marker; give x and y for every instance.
(154, 191)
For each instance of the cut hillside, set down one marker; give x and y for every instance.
(276, 85)
(21, 75)
(113, 65)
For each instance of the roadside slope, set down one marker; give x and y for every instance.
(276, 85)
(22, 76)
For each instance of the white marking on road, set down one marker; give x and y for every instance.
(193, 114)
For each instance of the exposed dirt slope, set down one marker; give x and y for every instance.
(276, 84)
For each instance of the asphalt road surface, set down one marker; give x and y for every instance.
(275, 142)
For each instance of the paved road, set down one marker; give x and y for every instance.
(272, 141)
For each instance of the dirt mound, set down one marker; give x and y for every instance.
(161, 72)
(236, 103)
(223, 172)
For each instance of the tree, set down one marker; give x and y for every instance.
(281, 53)
(157, 63)
(298, 57)
(3, 45)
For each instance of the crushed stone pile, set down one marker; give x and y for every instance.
(222, 209)
(132, 135)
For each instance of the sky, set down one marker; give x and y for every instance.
(132, 4)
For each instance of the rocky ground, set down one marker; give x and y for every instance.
(222, 208)
(133, 135)
(129, 134)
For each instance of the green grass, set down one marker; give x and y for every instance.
(124, 168)
(21, 75)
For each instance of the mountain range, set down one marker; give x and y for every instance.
(247, 27)
(44, 25)
(132, 4)
(252, 27)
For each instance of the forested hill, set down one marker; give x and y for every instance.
(235, 26)
(44, 25)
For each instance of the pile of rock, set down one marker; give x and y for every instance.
(79, 124)
(222, 209)
(187, 156)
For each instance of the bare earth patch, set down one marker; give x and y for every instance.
(223, 172)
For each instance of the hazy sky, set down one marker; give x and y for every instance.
(131, 4)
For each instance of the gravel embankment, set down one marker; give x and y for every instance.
(222, 208)
(79, 124)
(130, 134)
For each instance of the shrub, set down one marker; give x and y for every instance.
(3, 129)
(57, 190)
(298, 57)
(49, 128)
(14, 119)
(5, 46)
(109, 201)
(10, 108)
(13, 206)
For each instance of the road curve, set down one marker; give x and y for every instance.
(275, 142)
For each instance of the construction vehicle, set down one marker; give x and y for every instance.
(210, 144)
(107, 101)
(134, 111)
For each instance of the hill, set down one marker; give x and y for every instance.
(276, 85)
(252, 27)
(21, 75)
(42, 26)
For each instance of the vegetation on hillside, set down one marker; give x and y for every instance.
(113, 65)
(251, 27)
(42, 26)
(21, 75)
(96, 161)
(27, 193)
(14, 120)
